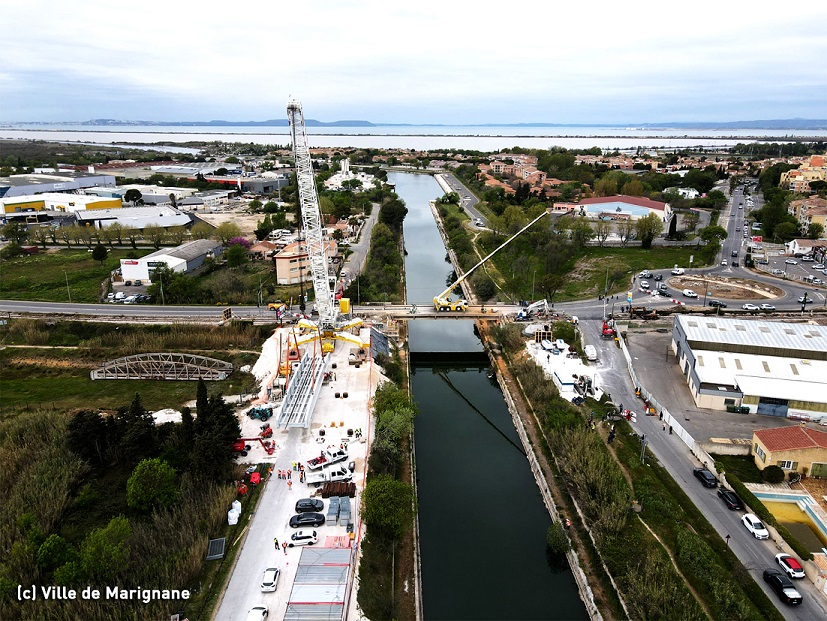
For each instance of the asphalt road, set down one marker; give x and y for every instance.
(675, 456)
(467, 200)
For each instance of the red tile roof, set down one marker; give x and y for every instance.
(789, 438)
(620, 198)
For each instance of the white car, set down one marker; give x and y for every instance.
(644, 284)
(678, 271)
(790, 565)
(791, 262)
(688, 293)
(817, 266)
(749, 307)
(270, 579)
(766, 307)
(303, 538)
(724, 262)
(257, 613)
(755, 526)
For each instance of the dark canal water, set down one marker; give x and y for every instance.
(482, 519)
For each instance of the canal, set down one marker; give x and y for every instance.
(482, 519)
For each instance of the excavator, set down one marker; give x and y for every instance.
(444, 302)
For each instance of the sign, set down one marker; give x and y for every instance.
(129, 262)
(758, 238)
(629, 297)
(227, 314)
(155, 263)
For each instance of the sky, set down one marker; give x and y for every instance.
(446, 62)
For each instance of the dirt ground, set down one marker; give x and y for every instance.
(728, 288)
(246, 222)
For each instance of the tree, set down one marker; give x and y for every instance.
(602, 230)
(625, 230)
(54, 552)
(104, 553)
(815, 230)
(136, 430)
(714, 232)
(648, 227)
(115, 232)
(236, 255)
(132, 234)
(483, 285)
(177, 234)
(581, 232)
(99, 253)
(15, 231)
(772, 474)
(152, 484)
(202, 230)
(133, 196)
(390, 506)
(155, 235)
(785, 231)
(225, 231)
(633, 187)
(88, 435)
(40, 234)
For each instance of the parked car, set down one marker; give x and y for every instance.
(805, 299)
(807, 258)
(645, 274)
(735, 264)
(790, 565)
(705, 477)
(306, 505)
(270, 579)
(777, 272)
(782, 586)
(257, 613)
(688, 293)
(766, 307)
(749, 307)
(724, 262)
(764, 261)
(817, 266)
(302, 538)
(730, 499)
(755, 526)
(306, 519)
(717, 303)
(791, 262)
(138, 283)
(734, 253)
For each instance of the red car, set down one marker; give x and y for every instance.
(790, 565)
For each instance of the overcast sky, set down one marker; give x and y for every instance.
(450, 62)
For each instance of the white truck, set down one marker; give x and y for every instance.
(329, 474)
(531, 310)
(327, 458)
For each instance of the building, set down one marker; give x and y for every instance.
(184, 259)
(810, 210)
(26, 185)
(134, 217)
(618, 208)
(772, 368)
(798, 180)
(292, 264)
(795, 449)
(56, 202)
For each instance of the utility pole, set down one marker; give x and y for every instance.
(643, 443)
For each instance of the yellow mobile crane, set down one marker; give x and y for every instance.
(443, 301)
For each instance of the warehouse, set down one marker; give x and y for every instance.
(56, 201)
(769, 367)
(134, 217)
(184, 259)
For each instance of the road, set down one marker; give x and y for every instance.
(467, 200)
(675, 456)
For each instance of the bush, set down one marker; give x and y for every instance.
(773, 474)
(557, 540)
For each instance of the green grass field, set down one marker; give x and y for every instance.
(43, 277)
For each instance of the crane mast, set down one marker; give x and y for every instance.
(311, 216)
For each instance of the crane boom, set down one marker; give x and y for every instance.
(311, 215)
(443, 301)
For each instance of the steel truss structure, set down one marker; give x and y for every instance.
(164, 366)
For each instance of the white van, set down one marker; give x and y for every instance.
(591, 352)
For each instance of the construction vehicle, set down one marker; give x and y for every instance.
(642, 312)
(532, 309)
(327, 475)
(260, 412)
(443, 301)
(327, 458)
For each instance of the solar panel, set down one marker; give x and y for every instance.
(215, 549)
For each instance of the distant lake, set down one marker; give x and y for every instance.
(488, 138)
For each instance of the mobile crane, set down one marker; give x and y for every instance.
(443, 301)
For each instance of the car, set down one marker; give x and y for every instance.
(790, 565)
(306, 505)
(678, 271)
(730, 499)
(644, 284)
(659, 277)
(306, 519)
(688, 293)
(764, 261)
(749, 307)
(755, 526)
(778, 272)
(746, 234)
(717, 303)
(734, 253)
(128, 283)
(478, 222)
(706, 477)
(766, 307)
(818, 281)
(735, 264)
(665, 293)
(303, 538)
(740, 206)
(257, 613)
(270, 579)
(807, 258)
(138, 283)
(645, 274)
(805, 299)
(817, 266)
(724, 262)
(791, 262)
(782, 586)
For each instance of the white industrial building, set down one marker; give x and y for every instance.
(771, 367)
(135, 217)
(184, 258)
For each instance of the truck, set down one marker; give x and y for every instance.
(532, 309)
(328, 474)
(327, 458)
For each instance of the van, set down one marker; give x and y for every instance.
(591, 352)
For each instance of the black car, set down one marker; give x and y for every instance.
(705, 477)
(306, 519)
(730, 499)
(735, 264)
(717, 303)
(782, 585)
(658, 277)
(663, 292)
(734, 253)
(307, 505)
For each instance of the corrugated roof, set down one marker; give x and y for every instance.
(792, 336)
(789, 438)
(187, 251)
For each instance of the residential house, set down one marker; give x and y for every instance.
(794, 449)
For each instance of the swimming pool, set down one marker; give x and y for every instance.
(806, 510)
(616, 207)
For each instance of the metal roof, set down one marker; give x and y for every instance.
(320, 587)
(755, 333)
(186, 251)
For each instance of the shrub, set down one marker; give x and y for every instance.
(557, 540)
(773, 474)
